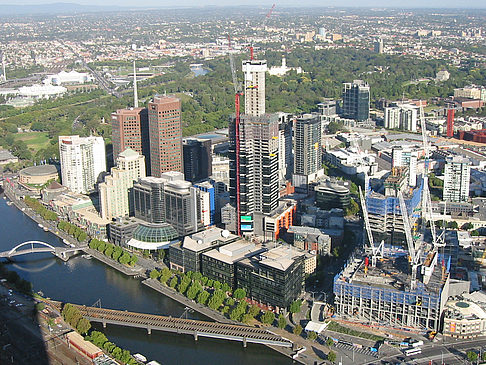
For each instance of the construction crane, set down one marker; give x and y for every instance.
(376, 251)
(238, 93)
(413, 250)
(426, 200)
(263, 26)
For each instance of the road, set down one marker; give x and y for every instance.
(453, 352)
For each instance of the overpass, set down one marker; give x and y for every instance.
(39, 247)
(195, 328)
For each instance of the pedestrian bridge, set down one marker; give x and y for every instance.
(195, 328)
(38, 247)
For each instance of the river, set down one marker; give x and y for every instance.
(83, 281)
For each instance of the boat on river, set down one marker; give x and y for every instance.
(140, 358)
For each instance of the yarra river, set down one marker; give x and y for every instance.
(84, 281)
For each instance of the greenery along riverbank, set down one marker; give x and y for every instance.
(72, 316)
(115, 252)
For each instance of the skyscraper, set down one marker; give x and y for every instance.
(114, 199)
(356, 100)
(197, 159)
(457, 174)
(307, 146)
(130, 130)
(258, 165)
(83, 161)
(378, 45)
(165, 134)
(254, 71)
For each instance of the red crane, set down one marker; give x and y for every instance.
(263, 26)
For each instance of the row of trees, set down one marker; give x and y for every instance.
(73, 230)
(114, 252)
(216, 295)
(100, 340)
(72, 316)
(40, 209)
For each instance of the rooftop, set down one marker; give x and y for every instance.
(40, 170)
(235, 251)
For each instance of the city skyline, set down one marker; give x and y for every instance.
(282, 4)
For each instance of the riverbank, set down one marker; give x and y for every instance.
(216, 316)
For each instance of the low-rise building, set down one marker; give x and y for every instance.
(464, 319)
(311, 239)
(332, 194)
(38, 175)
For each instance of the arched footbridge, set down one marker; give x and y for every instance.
(38, 247)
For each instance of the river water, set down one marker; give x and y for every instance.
(83, 281)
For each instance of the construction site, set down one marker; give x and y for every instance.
(402, 283)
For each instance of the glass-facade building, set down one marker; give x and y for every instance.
(356, 100)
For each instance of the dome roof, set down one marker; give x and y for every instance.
(155, 233)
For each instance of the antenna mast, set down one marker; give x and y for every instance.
(135, 91)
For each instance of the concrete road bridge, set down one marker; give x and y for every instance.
(195, 328)
(29, 247)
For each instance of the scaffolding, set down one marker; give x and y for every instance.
(382, 295)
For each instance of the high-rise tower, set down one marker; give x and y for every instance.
(254, 71)
(356, 100)
(165, 134)
(258, 160)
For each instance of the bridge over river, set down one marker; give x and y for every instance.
(151, 322)
(38, 247)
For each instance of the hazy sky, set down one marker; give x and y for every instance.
(281, 3)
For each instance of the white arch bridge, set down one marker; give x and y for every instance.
(38, 247)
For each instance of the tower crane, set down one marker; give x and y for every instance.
(376, 251)
(238, 93)
(426, 200)
(413, 249)
(263, 26)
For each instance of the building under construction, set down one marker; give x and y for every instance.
(385, 216)
(383, 295)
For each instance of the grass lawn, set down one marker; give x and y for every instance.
(34, 140)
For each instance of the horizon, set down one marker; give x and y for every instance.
(364, 4)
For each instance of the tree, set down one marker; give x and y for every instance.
(311, 335)
(282, 322)
(329, 342)
(217, 285)
(472, 356)
(295, 306)
(453, 225)
(40, 306)
(297, 330)
(239, 293)
(83, 326)
(331, 356)
(203, 297)
(109, 250)
(117, 253)
(468, 226)
(268, 318)
(173, 282)
(154, 274)
(125, 258)
(254, 311)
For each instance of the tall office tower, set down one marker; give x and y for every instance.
(356, 100)
(254, 71)
(258, 165)
(165, 134)
(83, 161)
(148, 199)
(285, 154)
(450, 122)
(378, 45)
(307, 146)
(114, 191)
(130, 130)
(457, 174)
(197, 159)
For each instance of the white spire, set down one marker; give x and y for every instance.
(135, 92)
(4, 75)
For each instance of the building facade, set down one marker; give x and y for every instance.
(457, 175)
(356, 100)
(197, 159)
(130, 130)
(258, 167)
(114, 191)
(401, 116)
(83, 161)
(165, 134)
(254, 74)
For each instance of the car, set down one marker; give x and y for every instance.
(12, 302)
(19, 305)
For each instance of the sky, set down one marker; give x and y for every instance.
(281, 3)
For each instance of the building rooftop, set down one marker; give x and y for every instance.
(6, 155)
(235, 251)
(206, 239)
(40, 170)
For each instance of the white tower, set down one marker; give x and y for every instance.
(4, 75)
(254, 71)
